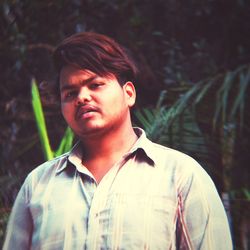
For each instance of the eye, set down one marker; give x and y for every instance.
(95, 85)
(70, 95)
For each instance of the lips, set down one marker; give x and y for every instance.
(85, 111)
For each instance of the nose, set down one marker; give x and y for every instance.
(83, 96)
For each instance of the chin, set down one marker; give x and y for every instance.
(90, 131)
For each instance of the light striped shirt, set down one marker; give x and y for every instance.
(153, 198)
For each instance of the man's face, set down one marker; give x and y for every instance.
(92, 105)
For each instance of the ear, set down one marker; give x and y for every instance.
(130, 93)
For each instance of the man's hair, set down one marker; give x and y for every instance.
(97, 53)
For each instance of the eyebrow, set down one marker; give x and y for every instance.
(69, 86)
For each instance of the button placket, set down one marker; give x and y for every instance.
(99, 203)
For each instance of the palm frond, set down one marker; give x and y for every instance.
(239, 102)
(223, 96)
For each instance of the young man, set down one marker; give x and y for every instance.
(115, 189)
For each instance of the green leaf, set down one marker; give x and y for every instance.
(40, 121)
(66, 142)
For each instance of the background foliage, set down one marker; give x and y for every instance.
(194, 54)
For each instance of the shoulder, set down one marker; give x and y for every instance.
(170, 156)
(41, 175)
(163, 156)
(46, 170)
(182, 167)
(50, 166)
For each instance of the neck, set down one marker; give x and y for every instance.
(102, 152)
(116, 142)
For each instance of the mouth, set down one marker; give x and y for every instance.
(85, 112)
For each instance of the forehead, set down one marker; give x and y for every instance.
(72, 74)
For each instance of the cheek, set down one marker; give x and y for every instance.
(118, 107)
(116, 101)
(67, 111)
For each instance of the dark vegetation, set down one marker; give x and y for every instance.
(193, 93)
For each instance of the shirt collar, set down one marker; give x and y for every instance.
(145, 144)
(74, 157)
(75, 154)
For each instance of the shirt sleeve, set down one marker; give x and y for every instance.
(202, 222)
(19, 228)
